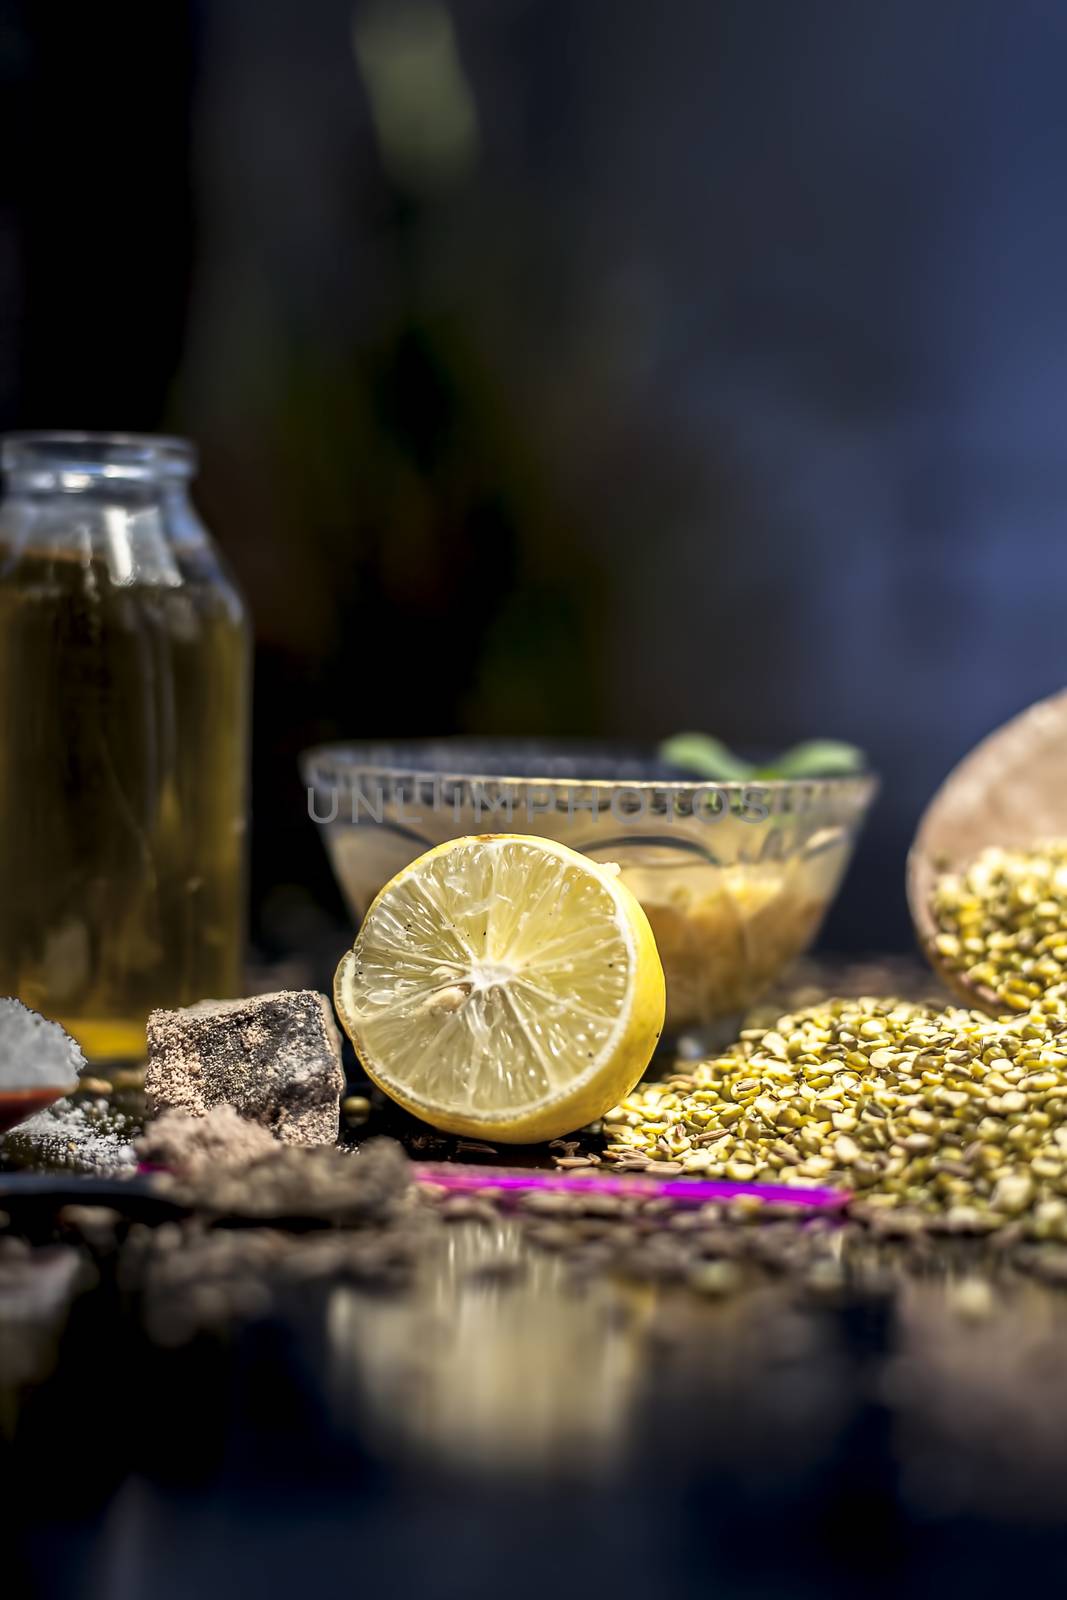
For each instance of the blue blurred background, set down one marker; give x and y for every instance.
(575, 366)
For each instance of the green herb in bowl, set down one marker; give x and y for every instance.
(705, 757)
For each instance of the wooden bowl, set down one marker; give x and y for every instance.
(1011, 790)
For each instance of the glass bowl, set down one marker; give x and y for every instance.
(735, 878)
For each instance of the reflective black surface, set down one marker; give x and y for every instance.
(513, 1421)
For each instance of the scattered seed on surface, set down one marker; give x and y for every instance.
(100, 1086)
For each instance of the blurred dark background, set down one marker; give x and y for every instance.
(574, 366)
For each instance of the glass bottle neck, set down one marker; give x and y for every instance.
(119, 502)
(95, 463)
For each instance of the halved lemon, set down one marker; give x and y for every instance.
(505, 987)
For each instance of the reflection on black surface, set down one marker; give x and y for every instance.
(501, 1367)
(504, 1423)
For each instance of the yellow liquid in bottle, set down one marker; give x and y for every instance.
(123, 753)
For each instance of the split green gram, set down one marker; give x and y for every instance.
(927, 1113)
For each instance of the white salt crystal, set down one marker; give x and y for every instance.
(35, 1053)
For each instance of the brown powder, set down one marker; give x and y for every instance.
(344, 1188)
(190, 1146)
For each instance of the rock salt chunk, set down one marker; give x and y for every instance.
(276, 1058)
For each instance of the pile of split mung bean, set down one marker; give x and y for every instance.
(1003, 922)
(942, 1112)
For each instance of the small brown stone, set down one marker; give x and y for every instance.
(128, 1078)
(276, 1058)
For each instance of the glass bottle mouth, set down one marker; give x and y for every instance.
(70, 460)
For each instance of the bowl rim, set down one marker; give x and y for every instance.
(354, 756)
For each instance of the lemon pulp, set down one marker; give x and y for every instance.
(505, 986)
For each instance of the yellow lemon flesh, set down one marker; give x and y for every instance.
(504, 987)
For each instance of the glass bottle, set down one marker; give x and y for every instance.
(124, 731)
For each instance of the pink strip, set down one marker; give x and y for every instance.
(685, 1191)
